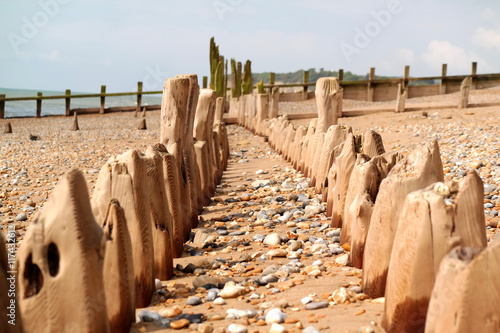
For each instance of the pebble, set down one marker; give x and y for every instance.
(219, 301)
(179, 324)
(311, 329)
(237, 328)
(212, 294)
(21, 217)
(340, 296)
(231, 290)
(277, 253)
(158, 284)
(170, 312)
(194, 300)
(277, 328)
(275, 315)
(316, 305)
(237, 313)
(205, 328)
(148, 316)
(272, 239)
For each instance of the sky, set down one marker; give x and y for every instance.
(82, 44)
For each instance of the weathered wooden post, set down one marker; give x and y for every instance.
(417, 170)
(75, 126)
(442, 86)
(473, 76)
(327, 98)
(118, 272)
(340, 75)
(466, 295)
(464, 93)
(274, 102)
(205, 82)
(401, 97)
(433, 221)
(272, 77)
(7, 128)
(370, 87)
(2, 106)
(68, 102)
(39, 104)
(139, 97)
(103, 91)
(306, 80)
(62, 254)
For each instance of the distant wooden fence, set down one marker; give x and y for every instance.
(378, 90)
(372, 90)
(68, 96)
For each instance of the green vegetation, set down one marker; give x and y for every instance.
(314, 75)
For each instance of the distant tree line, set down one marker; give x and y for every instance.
(314, 75)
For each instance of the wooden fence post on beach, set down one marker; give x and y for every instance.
(442, 86)
(340, 75)
(38, 105)
(2, 106)
(205, 82)
(139, 96)
(103, 98)
(370, 88)
(306, 80)
(67, 102)
(473, 76)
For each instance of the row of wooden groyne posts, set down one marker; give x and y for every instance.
(85, 265)
(421, 242)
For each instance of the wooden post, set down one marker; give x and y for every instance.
(272, 77)
(205, 82)
(442, 87)
(103, 91)
(406, 76)
(464, 93)
(139, 97)
(38, 105)
(306, 80)
(68, 101)
(370, 88)
(473, 76)
(2, 106)
(340, 75)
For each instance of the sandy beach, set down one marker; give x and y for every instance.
(468, 140)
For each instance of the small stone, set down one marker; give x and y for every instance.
(342, 260)
(170, 312)
(311, 329)
(271, 269)
(366, 329)
(261, 183)
(340, 296)
(237, 328)
(194, 300)
(212, 294)
(356, 289)
(231, 290)
(158, 284)
(179, 324)
(205, 328)
(219, 301)
(21, 217)
(149, 316)
(306, 300)
(272, 239)
(488, 188)
(275, 315)
(279, 253)
(277, 328)
(316, 305)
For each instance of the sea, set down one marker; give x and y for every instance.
(58, 106)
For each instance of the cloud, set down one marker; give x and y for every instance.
(443, 52)
(489, 15)
(487, 38)
(52, 56)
